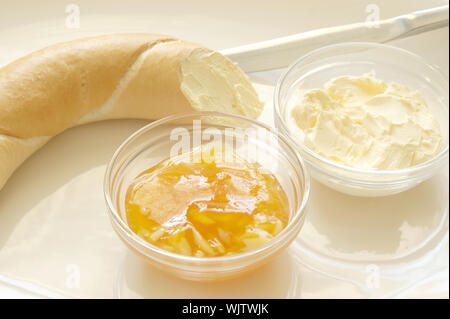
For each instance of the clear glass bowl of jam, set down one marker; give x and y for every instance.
(206, 196)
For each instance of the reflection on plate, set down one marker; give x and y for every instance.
(386, 230)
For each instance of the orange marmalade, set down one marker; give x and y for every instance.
(206, 208)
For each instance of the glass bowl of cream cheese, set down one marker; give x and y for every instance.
(368, 119)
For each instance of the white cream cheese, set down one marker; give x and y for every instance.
(213, 83)
(366, 123)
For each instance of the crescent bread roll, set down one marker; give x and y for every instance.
(143, 76)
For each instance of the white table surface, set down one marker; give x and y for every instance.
(33, 206)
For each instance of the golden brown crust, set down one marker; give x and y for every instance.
(48, 90)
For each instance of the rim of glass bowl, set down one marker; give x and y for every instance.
(303, 177)
(413, 169)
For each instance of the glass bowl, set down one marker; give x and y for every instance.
(157, 141)
(390, 64)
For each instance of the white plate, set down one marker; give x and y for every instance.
(55, 237)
